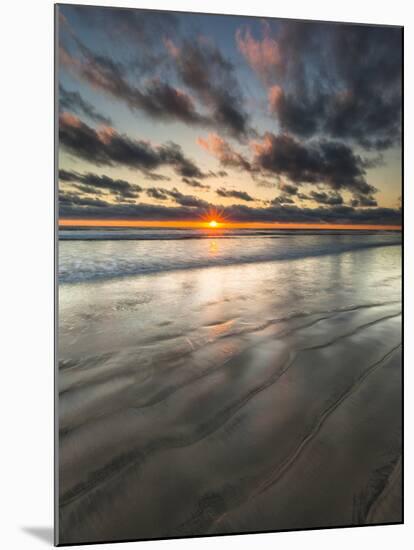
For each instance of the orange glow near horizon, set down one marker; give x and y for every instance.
(64, 222)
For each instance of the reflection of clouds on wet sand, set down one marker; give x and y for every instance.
(228, 399)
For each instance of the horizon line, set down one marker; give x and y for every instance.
(183, 224)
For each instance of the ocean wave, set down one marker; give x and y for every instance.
(83, 261)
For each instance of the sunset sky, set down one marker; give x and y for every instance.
(167, 117)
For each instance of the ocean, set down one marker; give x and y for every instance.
(89, 254)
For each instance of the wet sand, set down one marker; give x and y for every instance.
(231, 399)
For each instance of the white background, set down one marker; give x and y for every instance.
(26, 275)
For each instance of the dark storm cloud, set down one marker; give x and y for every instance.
(98, 183)
(326, 198)
(236, 213)
(73, 101)
(105, 146)
(331, 163)
(204, 70)
(195, 183)
(340, 81)
(240, 195)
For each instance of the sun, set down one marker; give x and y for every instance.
(213, 223)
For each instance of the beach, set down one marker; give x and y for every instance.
(215, 383)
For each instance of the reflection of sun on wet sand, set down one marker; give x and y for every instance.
(232, 399)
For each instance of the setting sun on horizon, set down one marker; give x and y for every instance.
(214, 224)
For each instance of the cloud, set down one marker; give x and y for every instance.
(73, 101)
(155, 177)
(294, 214)
(223, 151)
(142, 30)
(190, 201)
(161, 100)
(235, 213)
(262, 55)
(361, 200)
(199, 65)
(158, 99)
(74, 199)
(172, 154)
(282, 199)
(328, 162)
(340, 81)
(158, 194)
(195, 183)
(94, 183)
(367, 107)
(326, 198)
(228, 193)
(288, 188)
(65, 175)
(141, 26)
(106, 147)
(87, 189)
(262, 182)
(317, 162)
(295, 115)
(204, 70)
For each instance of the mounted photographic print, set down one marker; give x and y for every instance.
(229, 274)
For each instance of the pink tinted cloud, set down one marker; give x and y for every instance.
(274, 95)
(262, 55)
(265, 146)
(172, 49)
(223, 151)
(68, 119)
